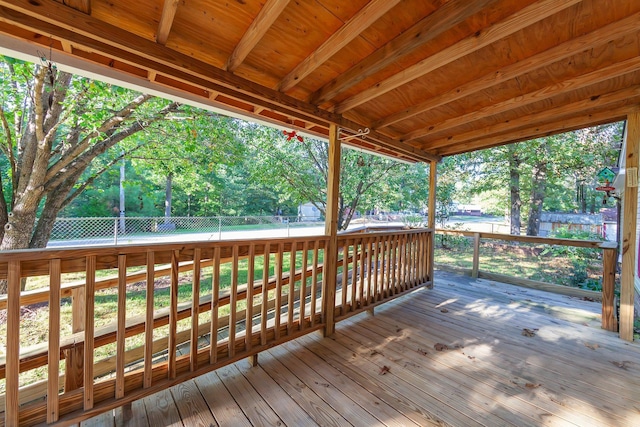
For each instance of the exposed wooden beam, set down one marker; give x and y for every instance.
(597, 37)
(169, 10)
(541, 117)
(566, 124)
(447, 16)
(266, 17)
(349, 31)
(96, 36)
(513, 23)
(629, 235)
(563, 87)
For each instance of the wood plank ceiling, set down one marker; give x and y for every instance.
(429, 78)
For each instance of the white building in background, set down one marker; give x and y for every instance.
(308, 212)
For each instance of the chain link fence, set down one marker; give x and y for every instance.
(68, 232)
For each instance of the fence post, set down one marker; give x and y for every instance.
(476, 255)
(609, 255)
(219, 228)
(115, 231)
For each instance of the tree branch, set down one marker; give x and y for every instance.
(9, 147)
(109, 124)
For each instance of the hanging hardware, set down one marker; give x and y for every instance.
(360, 134)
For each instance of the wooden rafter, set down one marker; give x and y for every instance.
(565, 124)
(541, 117)
(137, 50)
(169, 9)
(266, 17)
(352, 29)
(519, 20)
(425, 30)
(569, 48)
(567, 86)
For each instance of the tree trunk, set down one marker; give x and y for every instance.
(538, 192)
(514, 191)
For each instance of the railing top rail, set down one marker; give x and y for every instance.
(54, 253)
(354, 233)
(530, 239)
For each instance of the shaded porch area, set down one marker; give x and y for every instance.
(468, 352)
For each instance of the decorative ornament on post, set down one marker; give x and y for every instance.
(292, 134)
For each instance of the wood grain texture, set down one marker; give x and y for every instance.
(351, 29)
(515, 22)
(629, 227)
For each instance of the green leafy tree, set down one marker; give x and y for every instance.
(54, 125)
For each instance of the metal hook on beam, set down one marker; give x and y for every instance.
(360, 134)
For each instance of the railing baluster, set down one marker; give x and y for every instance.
(292, 286)
(89, 330)
(195, 310)
(278, 298)
(53, 386)
(173, 314)
(121, 325)
(215, 305)
(265, 294)
(233, 303)
(345, 276)
(248, 322)
(369, 271)
(363, 254)
(314, 282)
(148, 324)
(12, 363)
(354, 274)
(376, 268)
(303, 286)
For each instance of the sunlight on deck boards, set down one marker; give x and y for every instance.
(466, 353)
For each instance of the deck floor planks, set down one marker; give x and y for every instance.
(133, 415)
(330, 394)
(192, 407)
(288, 410)
(430, 400)
(552, 334)
(583, 365)
(410, 410)
(569, 363)
(457, 396)
(513, 352)
(501, 390)
(377, 407)
(256, 409)
(510, 390)
(103, 420)
(515, 367)
(161, 409)
(225, 409)
(322, 413)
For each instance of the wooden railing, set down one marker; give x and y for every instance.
(609, 260)
(248, 295)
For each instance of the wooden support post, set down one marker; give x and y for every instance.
(476, 255)
(253, 360)
(431, 221)
(609, 259)
(629, 227)
(329, 277)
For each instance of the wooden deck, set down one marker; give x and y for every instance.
(469, 352)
